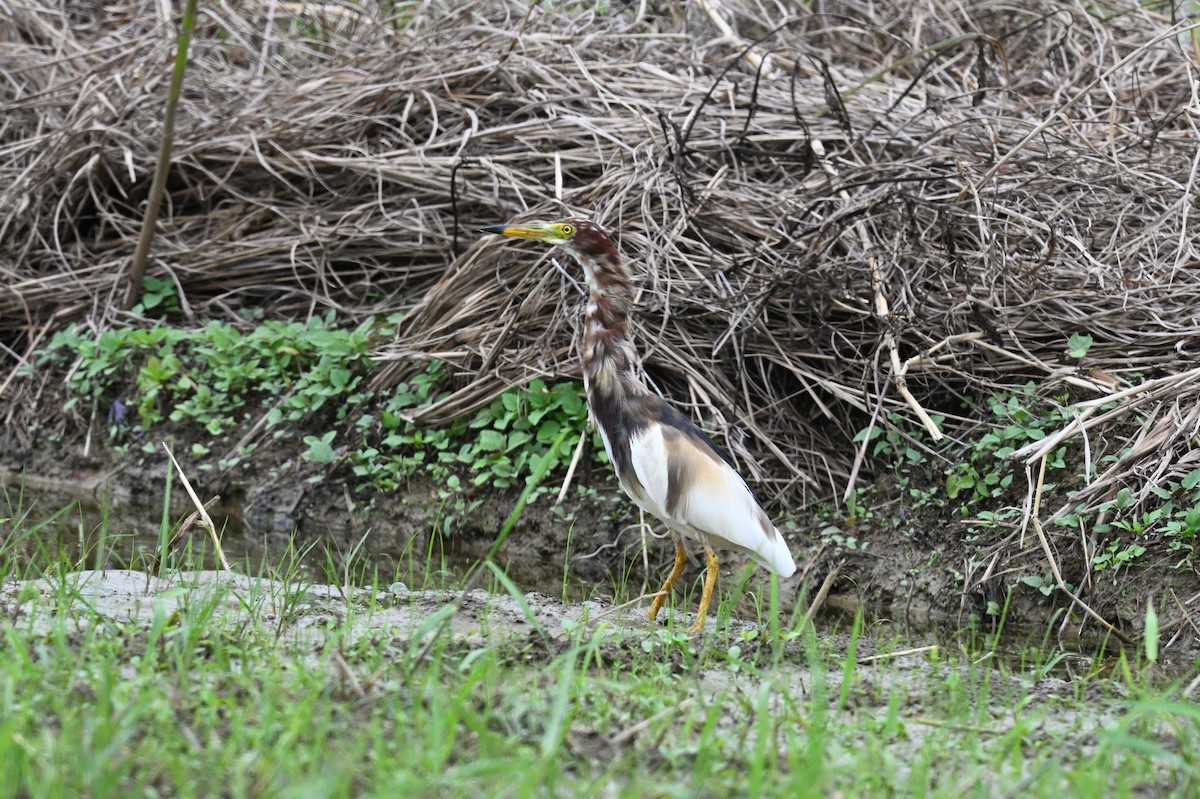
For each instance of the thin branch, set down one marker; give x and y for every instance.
(137, 266)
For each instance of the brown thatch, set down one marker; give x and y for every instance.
(840, 215)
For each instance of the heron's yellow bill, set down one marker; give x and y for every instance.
(549, 232)
(534, 230)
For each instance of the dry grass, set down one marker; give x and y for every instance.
(880, 209)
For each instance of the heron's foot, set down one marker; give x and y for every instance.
(659, 599)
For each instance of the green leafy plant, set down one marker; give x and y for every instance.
(218, 375)
(1133, 526)
(496, 447)
(1020, 418)
(159, 295)
(320, 450)
(520, 426)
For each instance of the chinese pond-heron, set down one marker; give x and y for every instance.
(666, 464)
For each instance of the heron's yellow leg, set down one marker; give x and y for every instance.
(676, 570)
(710, 580)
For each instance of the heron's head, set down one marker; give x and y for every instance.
(581, 237)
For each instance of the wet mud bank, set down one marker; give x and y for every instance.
(592, 547)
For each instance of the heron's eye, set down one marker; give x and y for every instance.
(568, 230)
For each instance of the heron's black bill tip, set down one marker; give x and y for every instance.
(492, 229)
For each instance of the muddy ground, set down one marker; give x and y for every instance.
(915, 577)
(532, 629)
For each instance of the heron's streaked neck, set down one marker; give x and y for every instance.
(608, 356)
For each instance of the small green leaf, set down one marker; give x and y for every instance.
(956, 483)
(1078, 345)
(874, 433)
(548, 432)
(1191, 520)
(320, 450)
(1124, 498)
(491, 440)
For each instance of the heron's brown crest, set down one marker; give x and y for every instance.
(591, 241)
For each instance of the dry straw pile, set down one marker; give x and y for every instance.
(858, 214)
